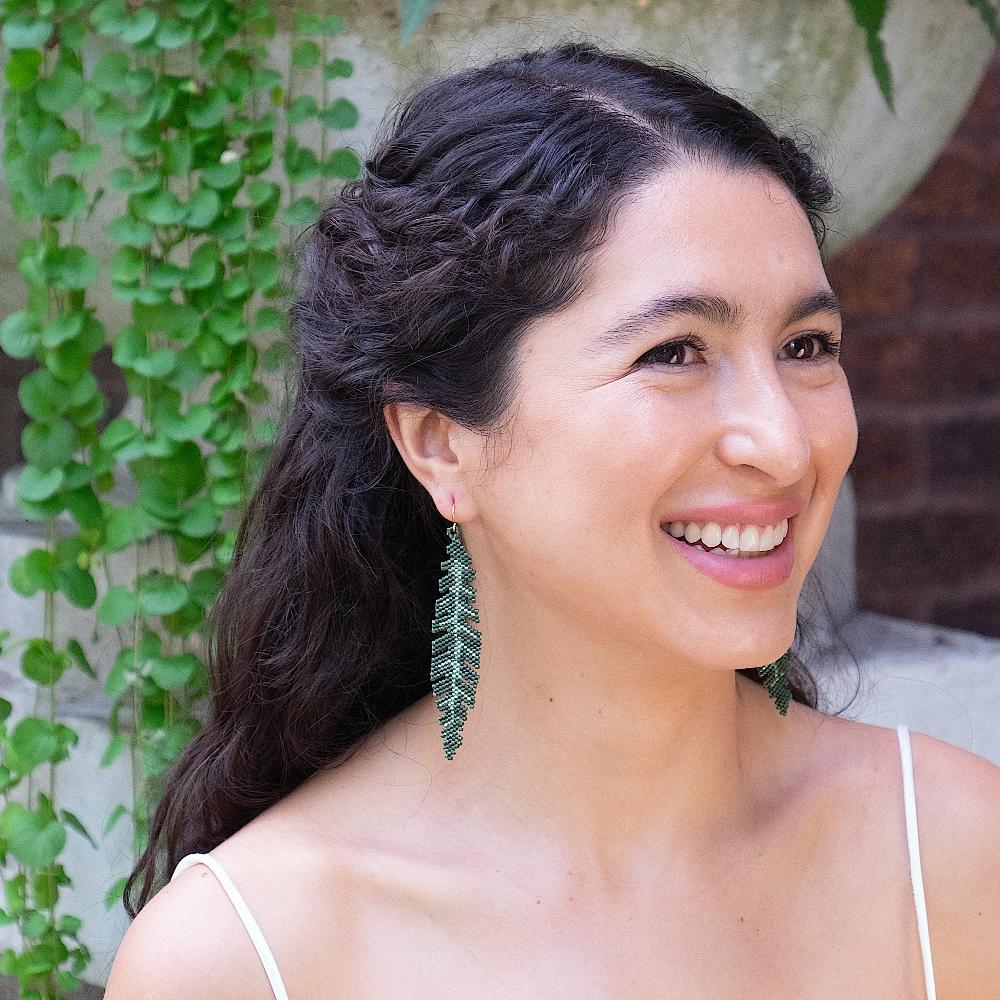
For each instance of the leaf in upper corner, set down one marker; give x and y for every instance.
(869, 15)
(412, 14)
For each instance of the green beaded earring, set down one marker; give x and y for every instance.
(455, 653)
(775, 678)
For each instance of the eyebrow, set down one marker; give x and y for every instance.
(712, 308)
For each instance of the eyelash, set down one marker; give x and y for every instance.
(829, 347)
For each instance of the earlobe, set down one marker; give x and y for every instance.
(422, 441)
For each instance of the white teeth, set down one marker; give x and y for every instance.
(752, 539)
(711, 535)
(731, 537)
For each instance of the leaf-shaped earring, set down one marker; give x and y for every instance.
(775, 678)
(455, 653)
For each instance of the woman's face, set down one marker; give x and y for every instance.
(615, 441)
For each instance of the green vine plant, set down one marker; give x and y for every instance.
(869, 15)
(182, 91)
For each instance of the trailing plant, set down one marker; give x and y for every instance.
(181, 92)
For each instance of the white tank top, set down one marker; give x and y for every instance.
(912, 843)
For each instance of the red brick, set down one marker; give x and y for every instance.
(875, 275)
(977, 614)
(889, 366)
(965, 454)
(884, 462)
(963, 362)
(963, 183)
(873, 595)
(907, 552)
(960, 270)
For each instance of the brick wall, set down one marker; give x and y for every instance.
(921, 293)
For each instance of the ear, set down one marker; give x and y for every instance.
(431, 446)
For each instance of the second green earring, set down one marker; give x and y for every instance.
(775, 678)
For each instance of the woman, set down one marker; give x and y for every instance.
(567, 347)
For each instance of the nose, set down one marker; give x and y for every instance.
(760, 426)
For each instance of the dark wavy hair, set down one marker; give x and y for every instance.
(476, 212)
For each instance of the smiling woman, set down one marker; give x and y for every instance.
(572, 330)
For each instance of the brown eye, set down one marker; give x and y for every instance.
(671, 353)
(823, 345)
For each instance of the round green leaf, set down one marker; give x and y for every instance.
(111, 117)
(341, 114)
(41, 663)
(156, 365)
(172, 672)
(162, 209)
(222, 175)
(172, 33)
(48, 445)
(59, 92)
(140, 26)
(342, 163)
(301, 212)
(38, 484)
(62, 328)
(200, 521)
(161, 594)
(69, 362)
(33, 572)
(77, 585)
(302, 108)
(127, 525)
(109, 72)
(205, 583)
(208, 110)
(19, 334)
(35, 741)
(22, 68)
(166, 274)
(83, 505)
(187, 426)
(118, 606)
(306, 54)
(127, 265)
(62, 198)
(85, 158)
(72, 267)
(337, 67)
(129, 346)
(130, 231)
(33, 838)
(21, 31)
(42, 396)
(203, 208)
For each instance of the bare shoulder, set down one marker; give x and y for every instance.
(958, 818)
(187, 941)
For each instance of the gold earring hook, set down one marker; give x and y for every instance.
(453, 510)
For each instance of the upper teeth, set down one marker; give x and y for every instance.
(753, 538)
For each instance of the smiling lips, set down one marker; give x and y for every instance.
(751, 541)
(731, 551)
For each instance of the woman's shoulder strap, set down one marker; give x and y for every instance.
(913, 848)
(249, 922)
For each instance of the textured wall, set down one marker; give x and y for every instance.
(922, 352)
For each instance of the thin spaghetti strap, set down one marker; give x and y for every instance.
(253, 929)
(913, 846)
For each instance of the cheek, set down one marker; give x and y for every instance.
(833, 431)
